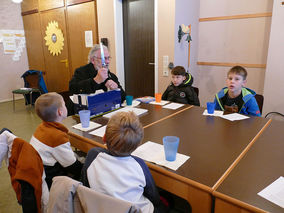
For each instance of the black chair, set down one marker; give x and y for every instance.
(259, 99)
(196, 90)
(68, 103)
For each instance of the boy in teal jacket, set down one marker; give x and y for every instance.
(235, 97)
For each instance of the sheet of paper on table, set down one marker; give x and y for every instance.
(230, 117)
(173, 106)
(99, 132)
(134, 103)
(137, 111)
(159, 103)
(234, 117)
(216, 113)
(93, 125)
(274, 192)
(154, 152)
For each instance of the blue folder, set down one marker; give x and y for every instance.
(101, 103)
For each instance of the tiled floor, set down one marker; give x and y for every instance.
(22, 123)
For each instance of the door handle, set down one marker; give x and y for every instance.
(65, 61)
(151, 63)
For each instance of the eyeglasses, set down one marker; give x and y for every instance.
(106, 58)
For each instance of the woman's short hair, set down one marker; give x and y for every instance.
(124, 133)
(46, 106)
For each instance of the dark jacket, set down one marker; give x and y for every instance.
(184, 93)
(82, 81)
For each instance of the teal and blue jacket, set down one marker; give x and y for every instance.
(250, 106)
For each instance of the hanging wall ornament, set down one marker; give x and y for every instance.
(54, 38)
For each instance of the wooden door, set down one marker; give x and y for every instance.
(76, 31)
(138, 19)
(34, 42)
(29, 5)
(57, 68)
(50, 4)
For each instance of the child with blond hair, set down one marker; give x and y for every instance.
(115, 172)
(51, 139)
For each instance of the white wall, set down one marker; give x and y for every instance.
(232, 41)
(187, 12)
(274, 77)
(11, 71)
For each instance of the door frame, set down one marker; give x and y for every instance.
(119, 51)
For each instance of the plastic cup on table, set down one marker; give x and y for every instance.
(171, 147)
(158, 97)
(85, 118)
(210, 107)
(129, 100)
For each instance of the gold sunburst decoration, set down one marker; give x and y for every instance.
(54, 38)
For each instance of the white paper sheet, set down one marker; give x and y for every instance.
(89, 38)
(137, 111)
(274, 192)
(134, 103)
(234, 117)
(159, 103)
(99, 132)
(154, 152)
(93, 125)
(173, 106)
(216, 113)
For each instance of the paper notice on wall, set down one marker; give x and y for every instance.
(13, 42)
(9, 45)
(89, 38)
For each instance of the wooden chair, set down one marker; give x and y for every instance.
(33, 88)
(259, 99)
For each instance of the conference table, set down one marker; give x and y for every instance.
(85, 141)
(261, 166)
(215, 147)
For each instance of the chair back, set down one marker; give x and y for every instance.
(93, 201)
(32, 80)
(68, 195)
(196, 90)
(259, 99)
(26, 171)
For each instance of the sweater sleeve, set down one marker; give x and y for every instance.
(64, 154)
(252, 107)
(150, 190)
(192, 97)
(82, 82)
(165, 94)
(91, 156)
(217, 105)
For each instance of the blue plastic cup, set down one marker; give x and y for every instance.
(85, 118)
(210, 107)
(129, 100)
(171, 147)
